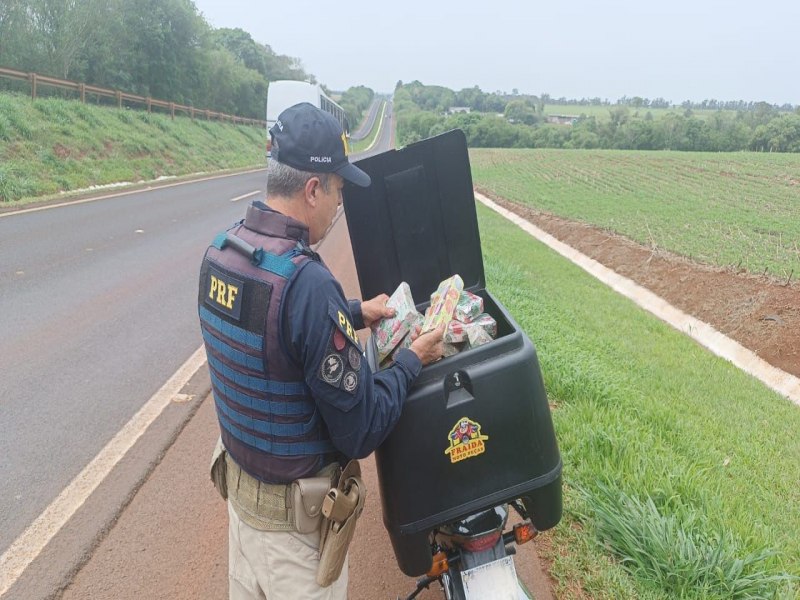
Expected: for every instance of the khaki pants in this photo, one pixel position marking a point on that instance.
(276, 565)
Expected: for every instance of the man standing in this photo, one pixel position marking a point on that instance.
(293, 395)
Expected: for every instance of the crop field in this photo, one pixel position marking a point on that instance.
(601, 113)
(737, 210)
(680, 471)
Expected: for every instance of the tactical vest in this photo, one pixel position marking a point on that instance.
(268, 420)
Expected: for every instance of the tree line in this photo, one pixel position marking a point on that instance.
(499, 120)
(164, 49)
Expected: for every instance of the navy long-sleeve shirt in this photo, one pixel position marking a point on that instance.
(359, 407)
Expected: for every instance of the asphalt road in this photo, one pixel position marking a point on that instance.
(98, 302)
(366, 126)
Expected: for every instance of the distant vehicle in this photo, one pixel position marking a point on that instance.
(285, 93)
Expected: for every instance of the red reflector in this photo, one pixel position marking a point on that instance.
(482, 543)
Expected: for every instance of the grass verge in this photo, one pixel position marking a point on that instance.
(649, 423)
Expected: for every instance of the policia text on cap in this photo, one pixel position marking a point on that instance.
(295, 400)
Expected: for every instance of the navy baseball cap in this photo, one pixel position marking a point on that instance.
(309, 139)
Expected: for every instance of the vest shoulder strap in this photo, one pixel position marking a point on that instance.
(279, 264)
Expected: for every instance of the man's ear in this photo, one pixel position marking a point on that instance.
(312, 189)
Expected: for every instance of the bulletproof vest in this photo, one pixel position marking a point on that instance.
(268, 420)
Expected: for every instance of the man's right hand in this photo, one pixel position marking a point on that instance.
(429, 347)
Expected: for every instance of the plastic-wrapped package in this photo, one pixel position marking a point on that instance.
(443, 303)
(390, 331)
(477, 337)
(457, 331)
(469, 307)
(486, 322)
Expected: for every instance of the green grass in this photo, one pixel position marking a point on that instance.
(655, 432)
(670, 549)
(731, 210)
(51, 145)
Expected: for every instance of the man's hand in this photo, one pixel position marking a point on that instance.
(374, 310)
(429, 347)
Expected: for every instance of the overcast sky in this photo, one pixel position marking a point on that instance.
(676, 49)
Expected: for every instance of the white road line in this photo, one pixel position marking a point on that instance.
(776, 379)
(32, 541)
(243, 196)
(129, 192)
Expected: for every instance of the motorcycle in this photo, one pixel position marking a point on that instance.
(473, 557)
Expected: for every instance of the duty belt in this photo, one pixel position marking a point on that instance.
(264, 506)
(260, 505)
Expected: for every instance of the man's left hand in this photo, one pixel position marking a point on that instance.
(374, 310)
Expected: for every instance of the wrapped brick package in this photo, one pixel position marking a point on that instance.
(407, 341)
(477, 337)
(486, 322)
(469, 307)
(390, 331)
(455, 332)
(443, 303)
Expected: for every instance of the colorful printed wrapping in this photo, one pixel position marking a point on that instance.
(478, 337)
(469, 307)
(457, 331)
(443, 303)
(407, 341)
(390, 331)
(486, 322)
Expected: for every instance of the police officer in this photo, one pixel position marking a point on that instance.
(294, 396)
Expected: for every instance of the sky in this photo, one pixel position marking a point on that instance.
(676, 49)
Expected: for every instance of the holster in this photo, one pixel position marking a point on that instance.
(341, 508)
(219, 470)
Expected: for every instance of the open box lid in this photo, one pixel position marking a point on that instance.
(416, 222)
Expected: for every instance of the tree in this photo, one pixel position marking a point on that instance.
(519, 111)
(355, 102)
(781, 134)
(241, 44)
(169, 54)
(13, 26)
(63, 28)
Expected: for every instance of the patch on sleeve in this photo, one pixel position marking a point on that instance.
(354, 358)
(342, 323)
(332, 369)
(350, 382)
(339, 340)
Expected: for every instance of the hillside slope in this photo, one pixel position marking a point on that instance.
(51, 145)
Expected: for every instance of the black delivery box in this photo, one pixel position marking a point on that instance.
(476, 429)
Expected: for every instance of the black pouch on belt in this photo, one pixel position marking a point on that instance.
(341, 507)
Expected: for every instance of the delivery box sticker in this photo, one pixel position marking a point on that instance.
(466, 440)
